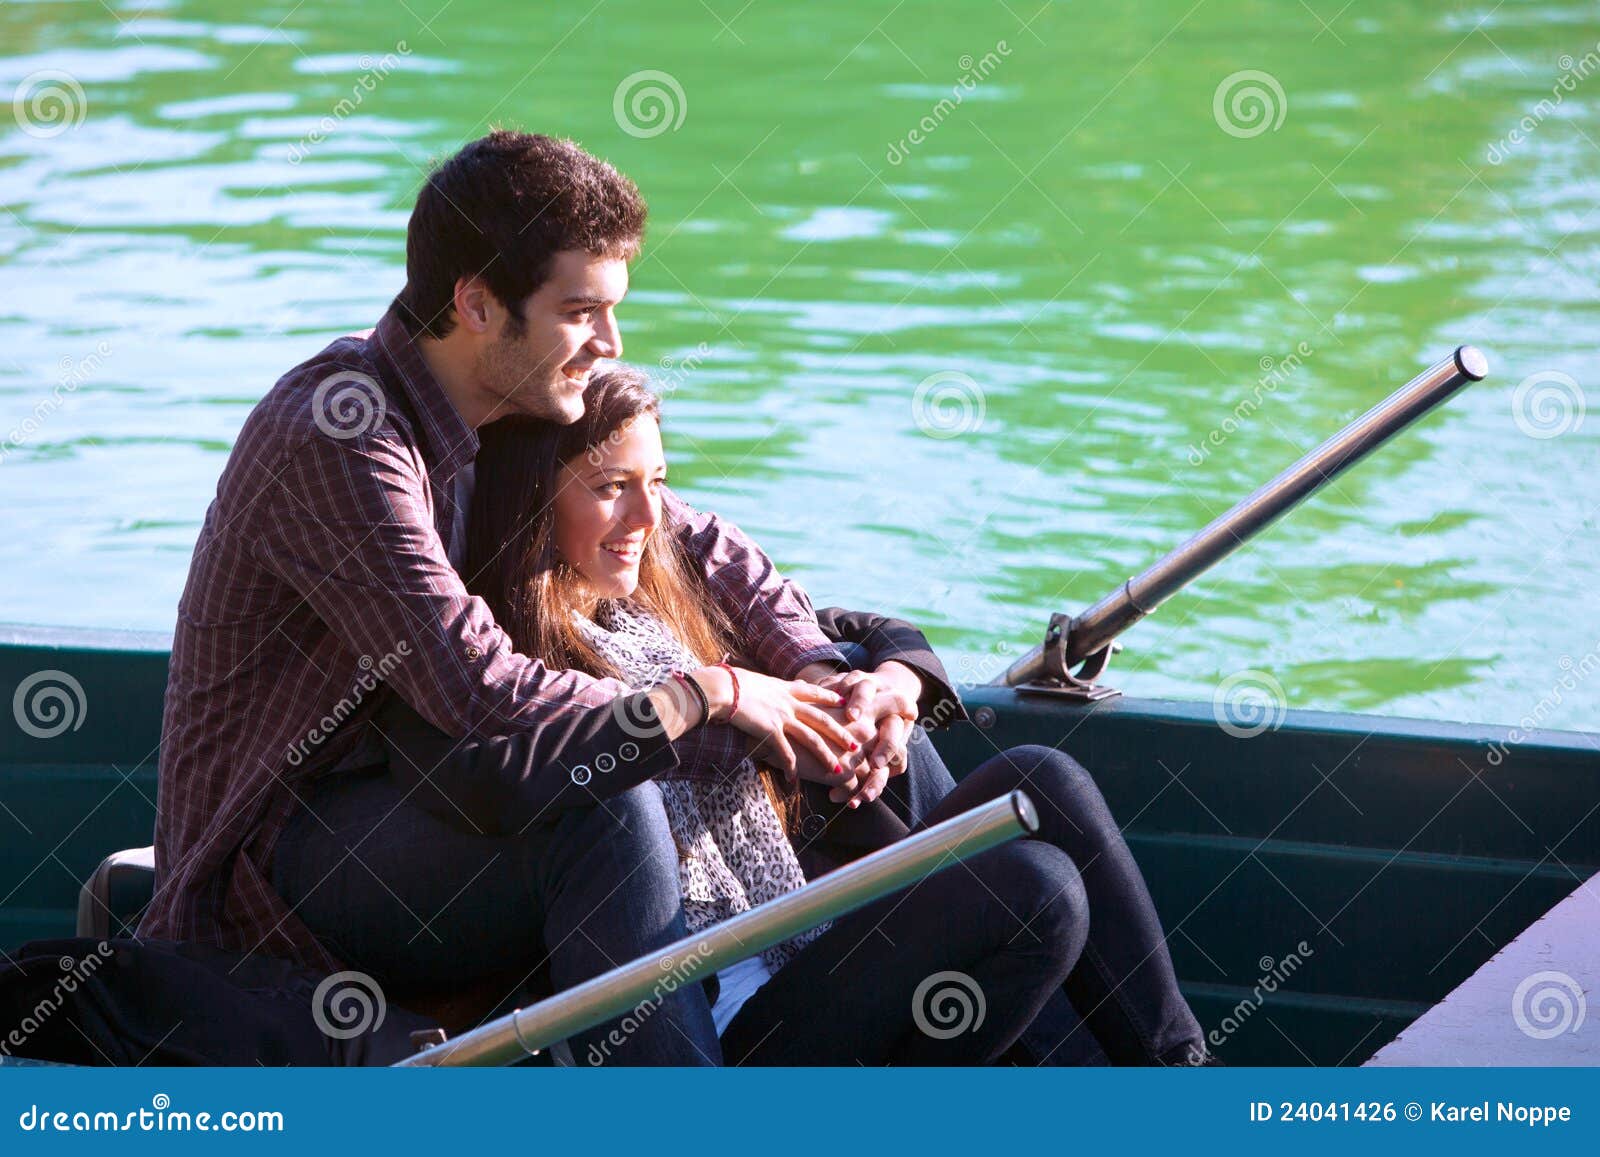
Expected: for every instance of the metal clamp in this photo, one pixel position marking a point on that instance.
(1057, 680)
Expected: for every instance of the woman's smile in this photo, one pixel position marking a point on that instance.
(608, 504)
(626, 551)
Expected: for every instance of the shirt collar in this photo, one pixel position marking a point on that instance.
(450, 441)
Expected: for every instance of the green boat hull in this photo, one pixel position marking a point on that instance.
(1401, 853)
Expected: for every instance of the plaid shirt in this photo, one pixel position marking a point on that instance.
(321, 577)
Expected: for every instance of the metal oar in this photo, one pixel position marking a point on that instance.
(527, 1030)
(1087, 638)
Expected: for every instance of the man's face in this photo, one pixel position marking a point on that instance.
(569, 323)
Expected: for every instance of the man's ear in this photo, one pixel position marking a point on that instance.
(473, 302)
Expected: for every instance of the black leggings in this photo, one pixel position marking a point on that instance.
(953, 969)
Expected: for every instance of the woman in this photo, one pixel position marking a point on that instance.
(567, 551)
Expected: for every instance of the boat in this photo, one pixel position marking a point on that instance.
(1324, 878)
(1402, 853)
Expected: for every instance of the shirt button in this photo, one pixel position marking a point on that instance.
(473, 654)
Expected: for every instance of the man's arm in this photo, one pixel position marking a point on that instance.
(902, 655)
(779, 626)
(346, 524)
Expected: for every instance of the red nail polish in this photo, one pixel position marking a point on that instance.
(837, 768)
(855, 747)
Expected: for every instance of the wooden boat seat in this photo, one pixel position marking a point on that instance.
(117, 892)
(1528, 1005)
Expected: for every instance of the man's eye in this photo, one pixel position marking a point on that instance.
(581, 315)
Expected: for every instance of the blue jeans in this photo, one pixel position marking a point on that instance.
(425, 907)
(1067, 910)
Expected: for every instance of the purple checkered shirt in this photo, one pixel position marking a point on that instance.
(323, 568)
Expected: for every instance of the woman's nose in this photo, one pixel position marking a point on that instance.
(644, 513)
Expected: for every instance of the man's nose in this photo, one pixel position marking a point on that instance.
(607, 339)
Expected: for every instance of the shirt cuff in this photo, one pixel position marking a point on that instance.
(797, 658)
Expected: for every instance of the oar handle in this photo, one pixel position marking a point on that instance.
(527, 1030)
(1093, 631)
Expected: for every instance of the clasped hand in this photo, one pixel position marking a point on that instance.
(846, 729)
(878, 712)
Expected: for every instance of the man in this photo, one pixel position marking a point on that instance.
(324, 578)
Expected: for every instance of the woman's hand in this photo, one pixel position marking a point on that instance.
(851, 764)
(789, 719)
(887, 699)
(882, 728)
(884, 752)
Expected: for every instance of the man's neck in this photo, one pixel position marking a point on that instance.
(450, 364)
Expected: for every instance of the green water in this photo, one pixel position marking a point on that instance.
(1130, 315)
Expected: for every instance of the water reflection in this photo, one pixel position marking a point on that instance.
(1077, 238)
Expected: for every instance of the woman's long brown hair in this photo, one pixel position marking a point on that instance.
(512, 563)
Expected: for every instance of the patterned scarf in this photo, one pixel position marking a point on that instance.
(732, 850)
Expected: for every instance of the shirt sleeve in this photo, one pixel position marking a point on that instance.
(349, 526)
(779, 626)
(886, 639)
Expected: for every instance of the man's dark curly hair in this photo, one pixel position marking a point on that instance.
(502, 208)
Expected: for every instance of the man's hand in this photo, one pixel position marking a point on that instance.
(792, 722)
(885, 700)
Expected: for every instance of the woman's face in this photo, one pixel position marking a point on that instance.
(608, 504)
